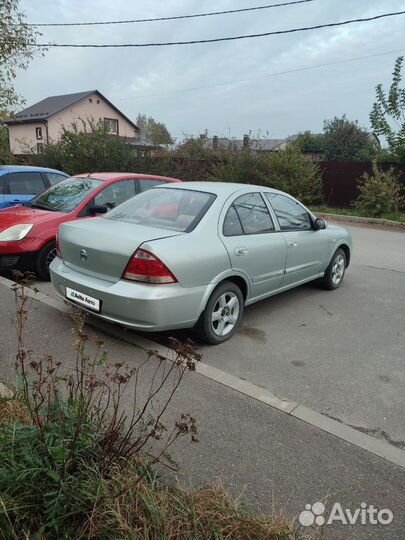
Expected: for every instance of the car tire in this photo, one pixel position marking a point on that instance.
(335, 272)
(44, 259)
(222, 314)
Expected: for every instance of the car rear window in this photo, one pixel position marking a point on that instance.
(66, 195)
(148, 183)
(172, 209)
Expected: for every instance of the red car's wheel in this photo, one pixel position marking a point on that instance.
(44, 259)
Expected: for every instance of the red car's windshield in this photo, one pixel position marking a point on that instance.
(65, 196)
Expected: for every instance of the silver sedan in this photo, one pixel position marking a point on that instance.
(194, 255)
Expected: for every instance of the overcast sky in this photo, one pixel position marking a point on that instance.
(152, 80)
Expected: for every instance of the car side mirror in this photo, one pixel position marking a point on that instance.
(97, 209)
(319, 223)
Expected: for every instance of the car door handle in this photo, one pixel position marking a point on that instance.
(241, 251)
(292, 244)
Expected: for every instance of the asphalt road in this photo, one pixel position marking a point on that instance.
(341, 353)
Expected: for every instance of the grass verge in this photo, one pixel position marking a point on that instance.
(393, 216)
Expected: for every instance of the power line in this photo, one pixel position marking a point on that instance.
(275, 74)
(175, 17)
(215, 40)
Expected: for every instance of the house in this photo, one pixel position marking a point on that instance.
(43, 122)
(258, 145)
(273, 145)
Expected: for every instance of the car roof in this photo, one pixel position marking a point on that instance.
(119, 175)
(220, 188)
(26, 168)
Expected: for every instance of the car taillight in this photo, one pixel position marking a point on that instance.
(147, 268)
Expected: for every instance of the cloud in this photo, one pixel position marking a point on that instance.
(282, 104)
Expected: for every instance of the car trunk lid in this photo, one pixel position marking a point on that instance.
(102, 248)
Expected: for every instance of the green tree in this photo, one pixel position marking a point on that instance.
(17, 40)
(309, 142)
(387, 116)
(152, 132)
(6, 156)
(345, 140)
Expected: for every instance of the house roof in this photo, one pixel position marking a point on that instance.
(51, 105)
(255, 144)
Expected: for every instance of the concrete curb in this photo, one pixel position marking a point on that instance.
(373, 445)
(365, 220)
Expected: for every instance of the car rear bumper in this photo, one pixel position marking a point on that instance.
(136, 305)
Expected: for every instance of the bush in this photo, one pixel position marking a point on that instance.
(380, 193)
(92, 150)
(244, 166)
(288, 170)
(88, 149)
(293, 172)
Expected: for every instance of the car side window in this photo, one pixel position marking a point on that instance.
(290, 214)
(248, 215)
(54, 178)
(25, 183)
(144, 184)
(232, 224)
(115, 194)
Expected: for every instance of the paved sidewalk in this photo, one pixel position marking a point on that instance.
(277, 459)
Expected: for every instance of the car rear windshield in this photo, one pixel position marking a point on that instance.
(172, 209)
(66, 195)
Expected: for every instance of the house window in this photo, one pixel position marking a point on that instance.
(40, 148)
(38, 133)
(111, 126)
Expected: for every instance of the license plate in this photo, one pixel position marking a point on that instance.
(83, 299)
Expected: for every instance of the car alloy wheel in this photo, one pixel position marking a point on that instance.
(338, 269)
(225, 314)
(335, 271)
(222, 314)
(50, 257)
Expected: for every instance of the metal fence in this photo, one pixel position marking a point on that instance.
(340, 179)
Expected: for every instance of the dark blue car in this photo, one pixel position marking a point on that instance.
(18, 184)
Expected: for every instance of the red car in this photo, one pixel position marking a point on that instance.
(28, 232)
